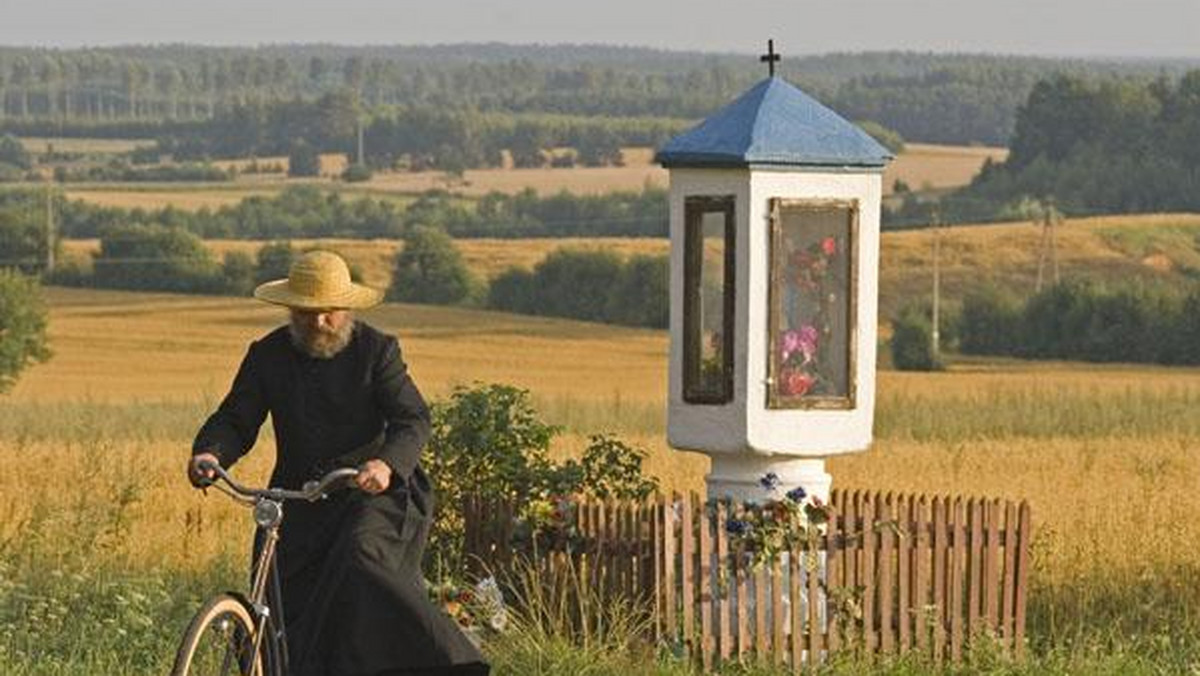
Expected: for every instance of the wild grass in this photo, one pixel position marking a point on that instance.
(100, 531)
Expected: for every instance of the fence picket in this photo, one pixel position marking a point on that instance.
(941, 608)
(904, 582)
(706, 589)
(957, 555)
(724, 636)
(687, 550)
(834, 548)
(975, 569)
(867, 575)
(796, 620)
(885, 509)
(1025, 538)
(991, 564)
(669, 529)
(920, 574)
(1007, 596)
(925, 574)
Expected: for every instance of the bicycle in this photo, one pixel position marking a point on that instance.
(234, 633)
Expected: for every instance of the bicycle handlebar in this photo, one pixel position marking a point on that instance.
(311, 491)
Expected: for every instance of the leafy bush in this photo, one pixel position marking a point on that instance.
(13, 152)
(912, 341)
(590, 285)
(489, 442)
(357, 173)
(156, 258)
(304, 160)
(990, 322)
(22, 326)
(430, 270)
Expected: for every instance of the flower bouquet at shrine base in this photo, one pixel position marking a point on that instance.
(793, 521)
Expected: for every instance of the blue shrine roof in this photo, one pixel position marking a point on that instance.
(774, 123)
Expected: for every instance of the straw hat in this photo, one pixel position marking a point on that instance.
(319, 280)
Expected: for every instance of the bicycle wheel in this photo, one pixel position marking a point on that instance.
(219, 642)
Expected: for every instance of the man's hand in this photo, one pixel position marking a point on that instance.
(201, 477)
(374, 476)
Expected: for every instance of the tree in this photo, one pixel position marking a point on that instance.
(13, 152)
(23, 236)
(156, 257)
(274, 261)
(303, 160)
(22, 326)
(912, 341)
(430, 270)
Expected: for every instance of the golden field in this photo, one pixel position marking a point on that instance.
(921, 166)
(1105, 454)
(1158, 247)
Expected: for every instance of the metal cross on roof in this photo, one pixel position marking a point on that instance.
(770, 58)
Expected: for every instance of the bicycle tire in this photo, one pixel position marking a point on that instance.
(219, 642)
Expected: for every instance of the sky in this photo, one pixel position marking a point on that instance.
(1079, 28)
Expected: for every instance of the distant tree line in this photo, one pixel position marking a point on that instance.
(592, 285)
(309, 212)
(1082, 321)
(1093, 146)
(142, 91)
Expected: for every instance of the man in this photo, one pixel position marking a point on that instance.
(339, 394)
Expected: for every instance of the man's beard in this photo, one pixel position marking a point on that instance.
(319, 343)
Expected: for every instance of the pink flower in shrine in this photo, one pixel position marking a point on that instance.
(807, 342)
(829, 246)
(796, 383)
(789, 344)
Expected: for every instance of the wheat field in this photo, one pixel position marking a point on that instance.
(92, 446)
(921, 166)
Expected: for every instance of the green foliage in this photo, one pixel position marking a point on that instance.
(430, 270)
(592, 285)
(157, 258)
(488, 442)
(888, 138)
(612, 468)
(22, 326)
(912, 341)
(238, 270)
(357, 173)
(121, 170)
(273, 262)
(304, 159)
(1109, 146)
(1132, 322)
(23, 238)
(13, 152)
(990, 322)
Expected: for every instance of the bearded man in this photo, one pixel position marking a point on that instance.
(349, 567)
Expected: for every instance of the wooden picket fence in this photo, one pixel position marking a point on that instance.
(890, 574)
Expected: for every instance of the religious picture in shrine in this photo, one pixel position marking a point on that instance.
(811, 315)
(708, 299)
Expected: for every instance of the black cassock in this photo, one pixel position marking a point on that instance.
(353, 595)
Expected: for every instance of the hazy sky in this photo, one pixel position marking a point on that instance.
(1148, 28)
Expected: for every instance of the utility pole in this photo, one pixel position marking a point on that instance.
(49, 227)
(1049, 242)
(360, 140)
(937, 282)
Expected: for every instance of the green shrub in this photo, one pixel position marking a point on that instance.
(22, 326)
(489, 442)
(912, 341)
(990, 322)
(430, 270)
(304, 160)
(357, 173)
(153, 257)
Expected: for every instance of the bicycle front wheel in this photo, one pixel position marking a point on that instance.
(219, 642)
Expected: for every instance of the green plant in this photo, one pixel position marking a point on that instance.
(22, 326)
